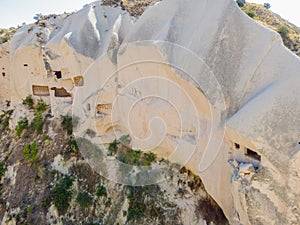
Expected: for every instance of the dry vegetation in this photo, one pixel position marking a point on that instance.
(289, 32)
(135, 8)
(6, 34)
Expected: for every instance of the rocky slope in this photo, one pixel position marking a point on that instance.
(224, 86)
(52, 184)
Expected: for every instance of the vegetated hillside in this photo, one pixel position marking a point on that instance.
(289, 32)
(6, 34)
(135, 8)
(45, 180)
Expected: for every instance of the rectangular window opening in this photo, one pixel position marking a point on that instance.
(253, 154)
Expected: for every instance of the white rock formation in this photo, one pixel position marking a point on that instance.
(49, 58)
(256, 95)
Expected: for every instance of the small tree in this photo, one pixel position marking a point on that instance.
(37, 16)
(241, 3)
(267, 5)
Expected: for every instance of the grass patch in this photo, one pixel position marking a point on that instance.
(62, 193)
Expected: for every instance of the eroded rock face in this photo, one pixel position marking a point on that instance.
(55, 52)
(5, 73)
(226, 88)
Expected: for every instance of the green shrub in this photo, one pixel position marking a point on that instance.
(131, 157)
(28, 101)
(67, 124)
(136, 157)
(40, 107)
(4, 119)
(22, 125)
(148, 158)
(250, 13)
(113, 147)
(30, 152)
(4, 38)
(101, 191)
(62, 193)
(37, 124)
(84, 199)
(72, 145)
(283, 31)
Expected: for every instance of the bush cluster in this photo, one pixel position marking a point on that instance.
(22, 125)
(62, 193)
(84, 199)
(30, 152)
(101, 191)
(130, 156)
(67, 124)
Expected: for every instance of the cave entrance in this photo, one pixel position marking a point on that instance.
(252, 154)
(58, 74)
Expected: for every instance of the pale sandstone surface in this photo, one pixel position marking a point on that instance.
(5, 73)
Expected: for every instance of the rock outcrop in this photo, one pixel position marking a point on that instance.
(225, 87)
